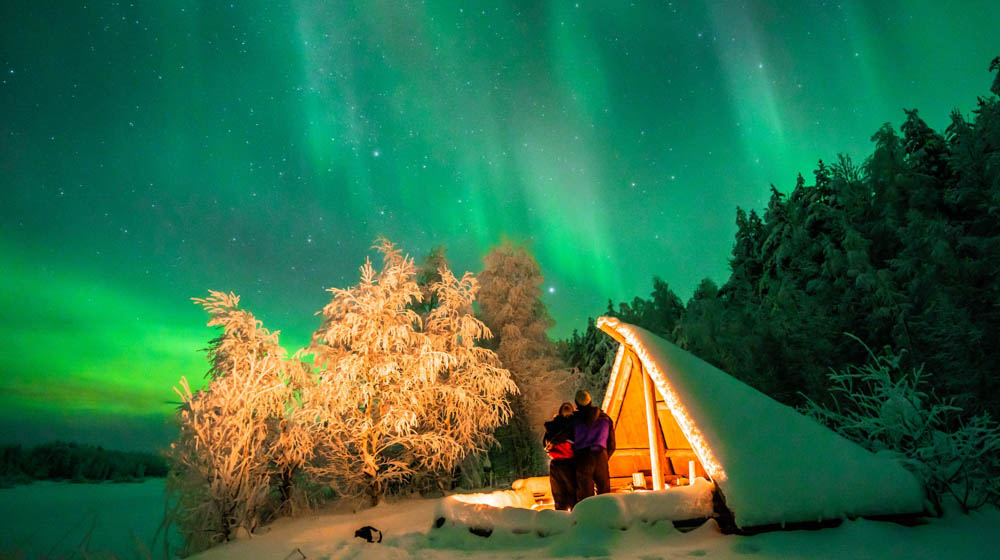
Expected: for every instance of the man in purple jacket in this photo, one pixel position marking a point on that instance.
(593, 443)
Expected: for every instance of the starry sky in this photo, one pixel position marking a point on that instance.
(152, 151)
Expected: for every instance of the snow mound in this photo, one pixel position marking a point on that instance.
(509, 511)
(621, 511)
(503, 510)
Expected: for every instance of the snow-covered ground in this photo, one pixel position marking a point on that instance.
(406, 527)
(51, 520)
(60, 519)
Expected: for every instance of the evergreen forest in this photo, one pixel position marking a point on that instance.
(76, 463)
(899, 251)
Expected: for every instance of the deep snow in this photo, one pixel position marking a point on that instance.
(50, 519)
(510, 511)
(406, 526)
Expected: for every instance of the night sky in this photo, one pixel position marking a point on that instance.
(150, 152)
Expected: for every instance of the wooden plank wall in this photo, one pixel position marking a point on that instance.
(631, 436)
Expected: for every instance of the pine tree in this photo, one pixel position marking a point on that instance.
(745, 265)
(592, 355)
(510, 304)
(995, 65)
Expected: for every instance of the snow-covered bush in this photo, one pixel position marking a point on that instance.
(395, 396)
(232, 464)
(885, 407)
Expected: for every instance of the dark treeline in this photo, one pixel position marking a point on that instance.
(902, 251)
(77, 463)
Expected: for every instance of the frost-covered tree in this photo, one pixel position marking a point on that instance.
(472, 393)
(884, 407)
(237, 450)
(510, 304)
(394, 397)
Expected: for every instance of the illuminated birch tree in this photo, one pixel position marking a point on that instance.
(472, 392)
(392, 398)
(236, 440)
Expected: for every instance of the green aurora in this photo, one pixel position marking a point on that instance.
(151, 152)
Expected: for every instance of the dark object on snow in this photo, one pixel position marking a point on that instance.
(296, 555)
(481, 532)
(369, 533)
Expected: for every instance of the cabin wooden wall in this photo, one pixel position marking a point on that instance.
(628, 410)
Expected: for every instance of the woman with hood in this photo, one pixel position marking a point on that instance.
(558, 442)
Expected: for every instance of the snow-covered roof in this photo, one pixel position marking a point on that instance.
(771, 463)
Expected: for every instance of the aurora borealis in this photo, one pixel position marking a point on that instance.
(150, 152)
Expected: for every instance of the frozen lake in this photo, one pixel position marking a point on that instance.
(45, 519)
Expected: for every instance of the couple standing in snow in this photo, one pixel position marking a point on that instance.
(579, 444)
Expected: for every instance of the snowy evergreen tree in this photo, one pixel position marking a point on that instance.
(901, 251)
(592, 354)
(745, 265)
(511, 306)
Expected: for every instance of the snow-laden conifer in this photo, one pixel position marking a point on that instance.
(510, 304)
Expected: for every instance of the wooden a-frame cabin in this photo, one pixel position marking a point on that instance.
(677, 416)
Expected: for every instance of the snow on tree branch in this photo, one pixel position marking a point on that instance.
(396, 395)
(887, 409)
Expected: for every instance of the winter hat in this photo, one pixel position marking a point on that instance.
(582, 398)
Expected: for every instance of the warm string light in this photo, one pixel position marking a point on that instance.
(691, 432)
(614, 375)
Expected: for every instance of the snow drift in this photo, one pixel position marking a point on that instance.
(510, 511)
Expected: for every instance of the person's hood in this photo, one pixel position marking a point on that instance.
(559, 423)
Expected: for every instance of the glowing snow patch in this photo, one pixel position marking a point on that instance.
(497, 511)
